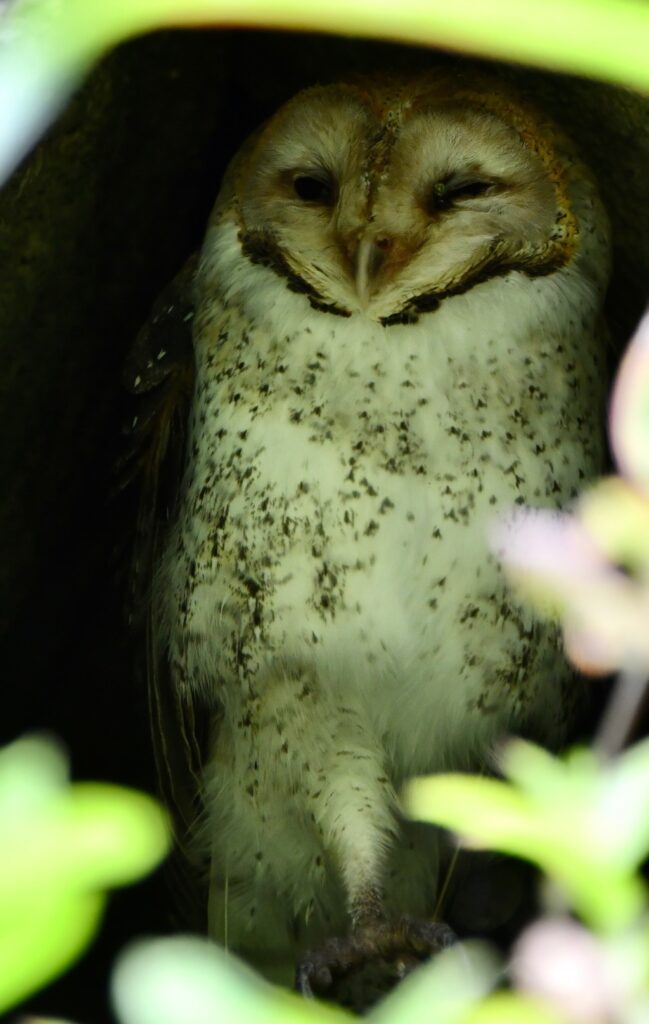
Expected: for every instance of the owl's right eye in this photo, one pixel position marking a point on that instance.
(311, 188)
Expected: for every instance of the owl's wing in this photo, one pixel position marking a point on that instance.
(159, 372)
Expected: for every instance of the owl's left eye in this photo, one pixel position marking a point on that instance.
(314, 188)
(445, 193)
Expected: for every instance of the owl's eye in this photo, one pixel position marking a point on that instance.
(445, 193)
(312, 188)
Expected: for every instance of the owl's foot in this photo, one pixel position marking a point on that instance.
(358, 969)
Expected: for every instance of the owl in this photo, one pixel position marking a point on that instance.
(392, 333)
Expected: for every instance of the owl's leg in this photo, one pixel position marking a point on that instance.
(384, 942)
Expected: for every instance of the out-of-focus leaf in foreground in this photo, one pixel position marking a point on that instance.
(61, 847)
(578, 820)
(46, 45)
(183, 978)
(180, 979)
(448, 987)
(513, 1008)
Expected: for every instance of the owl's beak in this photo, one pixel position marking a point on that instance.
(377, 257)
(370, 256)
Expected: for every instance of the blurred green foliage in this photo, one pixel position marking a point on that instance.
(46, 45)
(575, 817)
(61, 847)
(156, 982)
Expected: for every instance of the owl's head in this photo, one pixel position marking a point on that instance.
(383, 196)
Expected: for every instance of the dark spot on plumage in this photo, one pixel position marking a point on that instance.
(369, 489)
(252, 586)
(470, 612)
(404, 317)
(287, 527)
(262, 249)
(429, 302)
(327, 307)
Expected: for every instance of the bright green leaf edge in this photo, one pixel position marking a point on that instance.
(93, 837)
(46, 46)
(37, 943)
(55, 865)
(494, 815)
(605, 38)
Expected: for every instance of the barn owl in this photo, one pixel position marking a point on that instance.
(396, 334)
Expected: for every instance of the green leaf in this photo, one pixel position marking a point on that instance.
(575, 818)
(49, 44)
(173, 980)
(449, 986)
(617, 518)
(60, 847)
(93, 836)
(41, 938)
(511, 1008)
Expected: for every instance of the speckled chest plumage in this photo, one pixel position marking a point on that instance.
(328, 584)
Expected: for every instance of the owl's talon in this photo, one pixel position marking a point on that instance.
(394, 948)
(312, 976)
